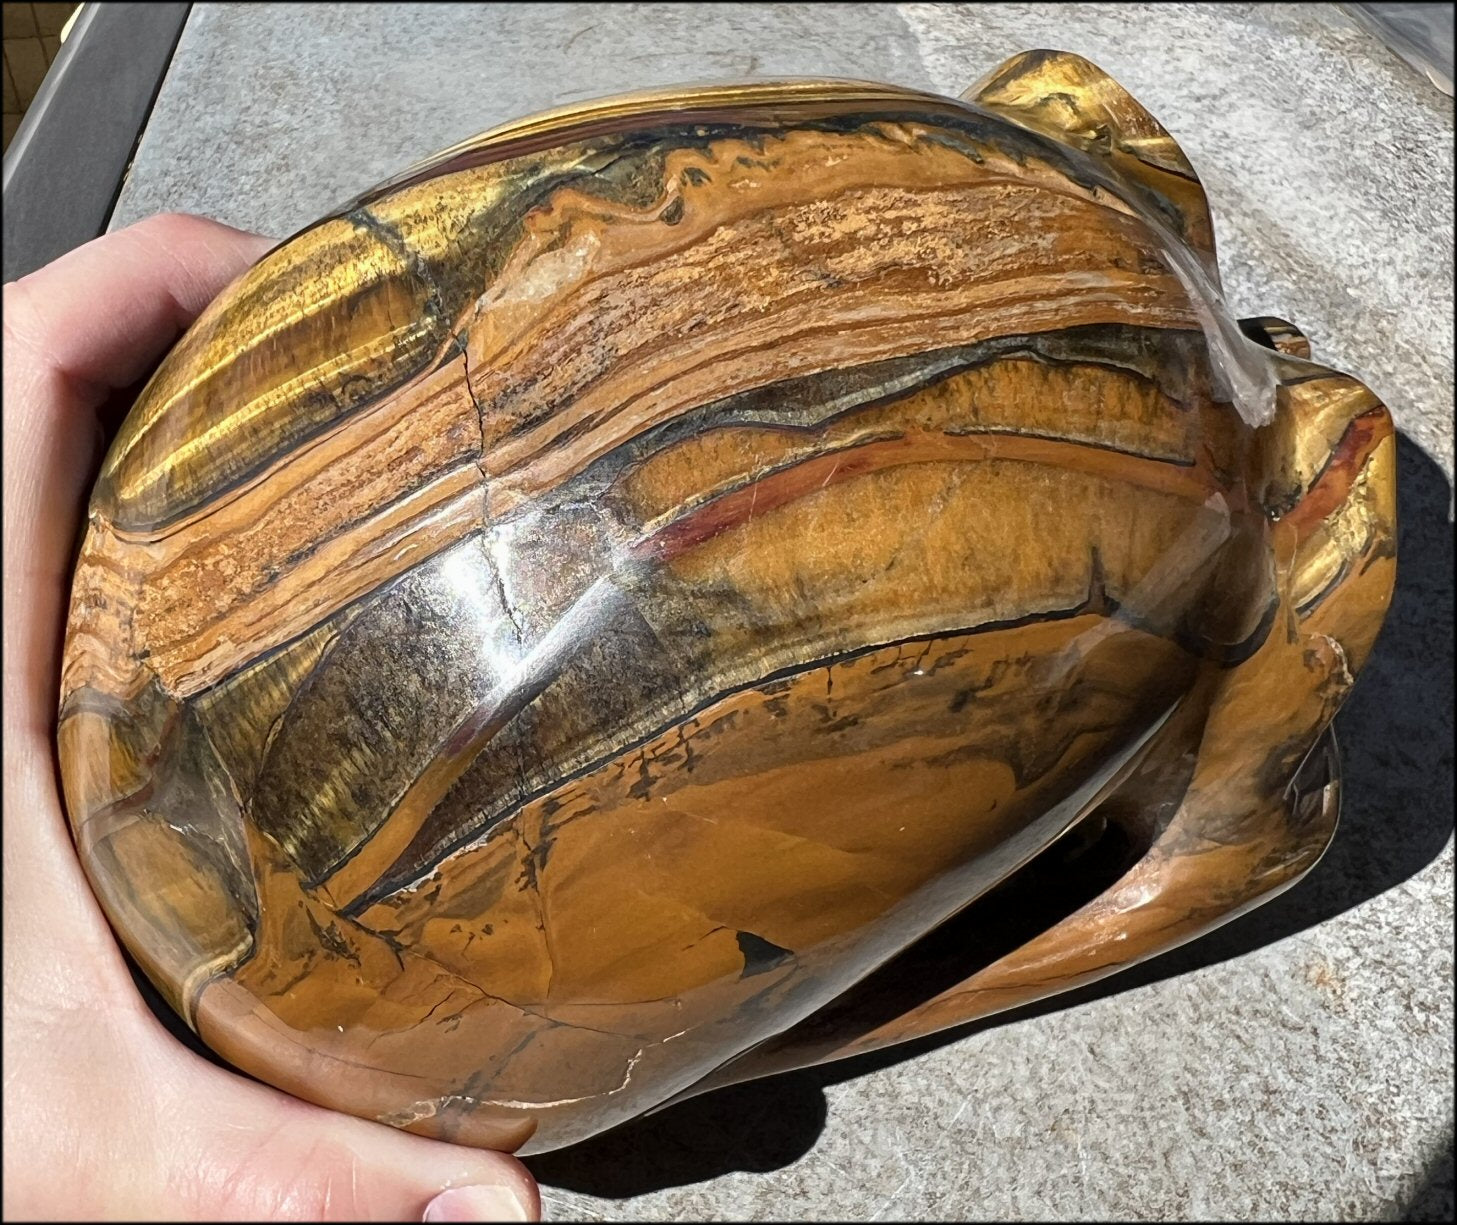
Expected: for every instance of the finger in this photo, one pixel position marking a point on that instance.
(103, 313)
(265, 1156)
(91, 322)
(136, 1127)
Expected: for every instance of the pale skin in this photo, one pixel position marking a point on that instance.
(107, 1115)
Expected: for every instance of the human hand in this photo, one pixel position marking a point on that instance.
(107, 1116)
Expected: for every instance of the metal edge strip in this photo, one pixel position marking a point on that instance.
(66, 164)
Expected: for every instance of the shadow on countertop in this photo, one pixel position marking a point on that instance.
(1434, 1200)
(1396, 743)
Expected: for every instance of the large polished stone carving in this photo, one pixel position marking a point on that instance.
(712, 581)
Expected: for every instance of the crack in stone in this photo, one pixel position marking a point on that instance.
(464, 347)
(532, 883)
(532, 1012)
(572, 1101)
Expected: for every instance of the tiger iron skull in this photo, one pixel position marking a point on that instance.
(710, 582)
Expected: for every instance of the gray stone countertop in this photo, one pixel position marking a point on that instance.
(1297, 1063)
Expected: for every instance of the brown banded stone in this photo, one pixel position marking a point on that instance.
(707, 582)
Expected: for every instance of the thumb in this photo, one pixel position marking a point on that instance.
(274, 1158)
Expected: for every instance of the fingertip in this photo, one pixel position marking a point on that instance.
(486, 1202)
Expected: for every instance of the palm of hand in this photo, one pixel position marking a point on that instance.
(106, 1115)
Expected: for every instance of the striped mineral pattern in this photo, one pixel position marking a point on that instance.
(708, 582)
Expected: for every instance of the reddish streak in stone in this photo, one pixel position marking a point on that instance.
(1331, 489)
(786, 485)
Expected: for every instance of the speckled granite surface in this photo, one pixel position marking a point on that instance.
(1296, 1064)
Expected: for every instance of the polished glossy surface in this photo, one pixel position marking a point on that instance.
(572, 617)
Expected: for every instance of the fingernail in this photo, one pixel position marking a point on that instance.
(478, 1204)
